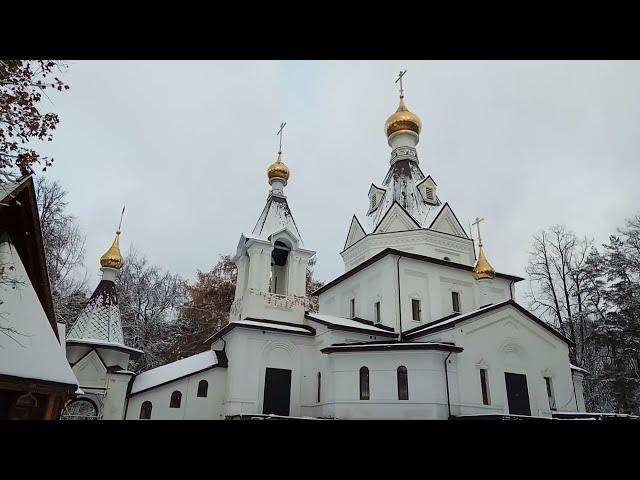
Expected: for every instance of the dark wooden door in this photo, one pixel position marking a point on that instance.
(517, 393)
(277, 391)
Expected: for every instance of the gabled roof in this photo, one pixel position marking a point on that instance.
(350, 325)
(356, 232)
(29, 348)
(451, 321)
(415, 256)
(447, 217)
(177, 370)
(262, 324)
(397, 213)
(20, 219)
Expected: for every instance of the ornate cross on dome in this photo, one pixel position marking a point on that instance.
(282, 125)
(399, 79)
(477, 223)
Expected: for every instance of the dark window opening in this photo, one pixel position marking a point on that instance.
(377, 312)
(279, 257)
(352, 307)
(416, 310)
(403, 383)
(145, 410)
(364, 383)
(552, 399)
(203, 388)
(176, 399)
(319, 385)
(484, 383)
(455, 300)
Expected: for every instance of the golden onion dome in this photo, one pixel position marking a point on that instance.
(401, 120)
(278, 169)
(112, 258)
(483, 270)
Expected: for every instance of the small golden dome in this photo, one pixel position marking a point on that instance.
(113, 258)
(278, 170)
(402, 119)
(483, 270)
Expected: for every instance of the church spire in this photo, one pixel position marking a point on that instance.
(483, 269)
(100, 318)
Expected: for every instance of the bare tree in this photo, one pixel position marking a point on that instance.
(558, 283)
(149, 299)
(64, 246)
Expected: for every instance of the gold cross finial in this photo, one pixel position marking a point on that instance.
(282, 125)
(399, 79)
(477, 223)
(120, 224)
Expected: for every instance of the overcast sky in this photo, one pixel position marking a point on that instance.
(186, 144)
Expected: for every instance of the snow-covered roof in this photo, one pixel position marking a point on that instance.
(449, 320)
(28, 345)
(103, 343)
(275, 217)
(100, 318)
(578, 369)
(174, 371)
(6, 188)
(382, 346)
(348, 323)
(272, 325)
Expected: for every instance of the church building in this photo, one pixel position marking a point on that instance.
(419, 325)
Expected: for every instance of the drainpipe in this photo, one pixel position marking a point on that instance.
(511, 288)
(446, 376)
(399, 301)
(574, 391)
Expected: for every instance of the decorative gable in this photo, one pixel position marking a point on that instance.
(91, 371)
(427, 189)
(397, 219)
(375, 198)
(447, 222)
(356, 232)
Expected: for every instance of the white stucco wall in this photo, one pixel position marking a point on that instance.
(191, 407)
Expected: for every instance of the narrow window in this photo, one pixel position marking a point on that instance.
(373, 202)
(176, 399)
(415, 308)
(352, 307)
(484, 382)
(403, 383)
(319, 385)
(455, 300)
(429, 192)
(145, 410)
(203, 388)
(377, 312)
(552, 399)
(364, 383)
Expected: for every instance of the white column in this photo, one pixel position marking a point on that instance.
(259, 266)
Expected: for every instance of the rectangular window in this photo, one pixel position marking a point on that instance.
(352, 308)
(552, 399)
(455, 301)
(484, 382)
(377, 312)
(415, 309)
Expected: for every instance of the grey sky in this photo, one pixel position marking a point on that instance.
(185, 145)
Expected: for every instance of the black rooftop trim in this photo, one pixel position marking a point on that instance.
(390, 346)
(231, 325)
(414, 256)
(334, 326)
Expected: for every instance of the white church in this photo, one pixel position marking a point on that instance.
(419, 326)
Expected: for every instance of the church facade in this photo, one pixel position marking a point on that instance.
(418, 326)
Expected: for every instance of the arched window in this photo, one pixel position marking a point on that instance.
(80, 409)
(203, 388)
(364, 383)
(145, 410)
(278, 275)
(176, 398)
(403, 383)
(319, 385)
